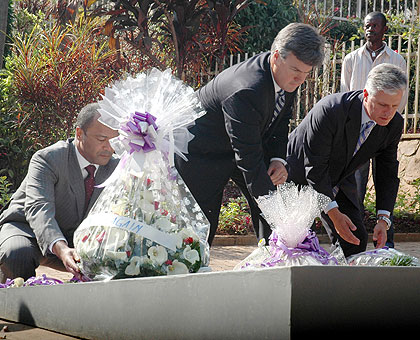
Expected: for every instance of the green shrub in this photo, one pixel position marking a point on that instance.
(234, 217)
(406, 205)
(51, 73)
(4, 191)
(264, 19)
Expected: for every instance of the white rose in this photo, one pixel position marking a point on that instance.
(148, 196)
(177, 268)
(147, 206)
(164, 224)
(18, 282)
(158, 254)
(187, 232)
(191, 255)
(116, 255)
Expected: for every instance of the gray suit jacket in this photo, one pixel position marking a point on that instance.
(49, 203)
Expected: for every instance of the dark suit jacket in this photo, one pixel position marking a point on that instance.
(240, 103)
(50, 201)
(320, 149)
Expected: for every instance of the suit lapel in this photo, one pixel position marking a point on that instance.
(76, 180)
(353, 130)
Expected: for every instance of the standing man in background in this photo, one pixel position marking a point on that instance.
(354, 72)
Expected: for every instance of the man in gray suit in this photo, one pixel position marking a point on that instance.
(38, 224)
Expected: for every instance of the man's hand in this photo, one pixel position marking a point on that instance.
(343, 225)
(379, 234)
(277, 172)
(69, 257)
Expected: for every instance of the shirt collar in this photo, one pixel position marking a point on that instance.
(83, 162)
(277, 88)
(365, 117)
(365, 50)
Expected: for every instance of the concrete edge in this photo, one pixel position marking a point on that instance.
(251, 240)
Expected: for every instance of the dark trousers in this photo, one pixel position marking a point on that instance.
(206, 177)
(355, 215)
(362, 177)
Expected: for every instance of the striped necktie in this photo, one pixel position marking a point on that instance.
(281, 96)
(364, 134)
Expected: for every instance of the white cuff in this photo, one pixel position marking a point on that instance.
(384, 212)
(279, 159)
(50, 247)
(331, 205)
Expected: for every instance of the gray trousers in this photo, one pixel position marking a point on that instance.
(20, 256)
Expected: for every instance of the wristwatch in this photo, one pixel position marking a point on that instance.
(386, 219)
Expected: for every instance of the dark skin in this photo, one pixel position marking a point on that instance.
(375, 29)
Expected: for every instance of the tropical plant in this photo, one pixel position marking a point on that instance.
(185, 35)
(55, 73)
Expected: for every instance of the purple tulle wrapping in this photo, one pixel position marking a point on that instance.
(308, 247)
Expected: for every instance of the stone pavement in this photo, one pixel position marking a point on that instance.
(222, 258)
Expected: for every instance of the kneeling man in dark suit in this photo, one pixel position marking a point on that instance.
(341, 133)
(38, 224)
(243, 135)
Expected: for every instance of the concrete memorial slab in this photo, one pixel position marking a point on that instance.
(275, 303)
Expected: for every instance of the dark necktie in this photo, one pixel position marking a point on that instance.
(364, 134)
(89, 183)
(279, 104)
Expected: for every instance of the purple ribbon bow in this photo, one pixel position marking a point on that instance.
(308, 247)
(138, 126)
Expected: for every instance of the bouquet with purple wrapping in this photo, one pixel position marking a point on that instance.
(146, 222)
(290, 211)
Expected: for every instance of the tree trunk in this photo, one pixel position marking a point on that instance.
(4, 6)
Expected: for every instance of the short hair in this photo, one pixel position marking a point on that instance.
(303, 40)
(379, 15)
(87, 115)
(387, 78)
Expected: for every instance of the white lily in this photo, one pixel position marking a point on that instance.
(191, 255)
(134, 267)
(177, 268)
(158, 254)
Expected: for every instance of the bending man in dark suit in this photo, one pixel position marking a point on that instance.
(241, 137)
(37, 226)
(321, 153)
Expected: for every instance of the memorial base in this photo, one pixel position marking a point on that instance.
(276, 303)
